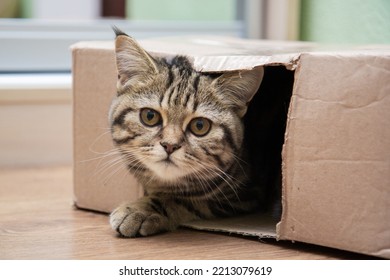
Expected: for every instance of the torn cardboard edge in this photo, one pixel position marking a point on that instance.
(257, 225)
(219, 55)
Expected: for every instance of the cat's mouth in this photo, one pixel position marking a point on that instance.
(168, 162)
(168, 169)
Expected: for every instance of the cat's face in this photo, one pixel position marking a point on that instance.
(172, 123)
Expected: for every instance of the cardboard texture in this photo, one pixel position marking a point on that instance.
(336, 154)
(100, 179)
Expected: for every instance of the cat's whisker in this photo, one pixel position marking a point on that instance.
(104, 161)
(103, 169)
(207, 171)
(213, 170)
(102, 155)
(113, 173)
(201, 179)
(206, 186)
(239, 161)
(97, 139)
(130, 160)
(219, 188)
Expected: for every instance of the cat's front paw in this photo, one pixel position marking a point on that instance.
(138, 219)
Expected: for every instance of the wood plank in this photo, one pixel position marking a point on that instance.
(38, 221)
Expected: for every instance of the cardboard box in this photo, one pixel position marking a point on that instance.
(336, 153)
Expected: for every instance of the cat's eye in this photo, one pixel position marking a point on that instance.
(150, 117)
(200, 126)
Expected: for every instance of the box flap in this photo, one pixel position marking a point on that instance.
(260, 225)
(218, 54)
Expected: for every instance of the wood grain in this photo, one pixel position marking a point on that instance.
(38, 221)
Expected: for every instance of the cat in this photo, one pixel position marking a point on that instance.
(181, 134)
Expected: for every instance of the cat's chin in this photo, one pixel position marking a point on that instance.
(168, 171)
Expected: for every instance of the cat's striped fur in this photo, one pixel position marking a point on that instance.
(181, 133)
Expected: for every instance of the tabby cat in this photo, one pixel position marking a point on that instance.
(181, 134)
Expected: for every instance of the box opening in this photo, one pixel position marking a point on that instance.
(265, 126)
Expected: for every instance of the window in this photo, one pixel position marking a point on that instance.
(40, 41)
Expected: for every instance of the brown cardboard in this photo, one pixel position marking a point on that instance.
(336, 156)
(100, 180)
(337, 153)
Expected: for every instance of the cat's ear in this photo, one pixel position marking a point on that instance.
(134, 64)
(239, 87)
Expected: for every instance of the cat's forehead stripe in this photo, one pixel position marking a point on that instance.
(196, 83)
(171, 77)
(182, 90)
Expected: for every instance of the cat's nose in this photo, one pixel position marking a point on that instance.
(170, 148)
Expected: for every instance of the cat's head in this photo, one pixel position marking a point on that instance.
(172, 123)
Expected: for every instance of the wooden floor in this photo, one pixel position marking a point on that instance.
(38, 221)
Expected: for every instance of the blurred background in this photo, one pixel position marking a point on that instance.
(35, 59)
